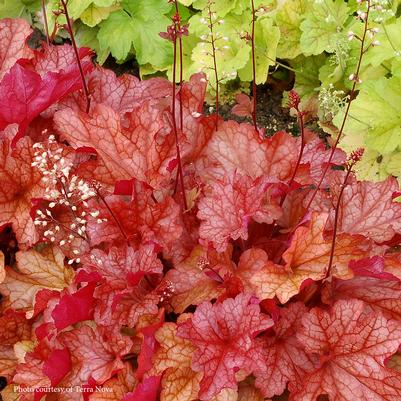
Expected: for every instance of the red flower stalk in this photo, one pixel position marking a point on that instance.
(216, 74)
(74, 45)
(253, 66)
(354, 158)
(176, 31)
(355, 79)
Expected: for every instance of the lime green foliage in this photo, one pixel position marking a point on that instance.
(321, 29)
(376, 115)
(137, 26)
(19, 8)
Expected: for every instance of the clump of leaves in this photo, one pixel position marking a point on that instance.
(277, 276)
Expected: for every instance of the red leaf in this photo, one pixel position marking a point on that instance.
(352, 346)
(58, 58)
(143, 150)
(74, 308)
(223, 334)
(140, 218)
(229, 207)
(379, 295)
(282, 358)
(93, 357)
(13, 36)
(148, 390)
(230, 149)
(372, 267)
(24, 94)
(124, 267)
(368, 208)
(57, 365)
(244, 106)
(148, 348)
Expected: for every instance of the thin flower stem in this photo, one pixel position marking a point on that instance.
(74, 45)
(120, 227)
(351, 98)
(177, 145)
(335, 225)
(216, 73)
(301, 152)
(254, 67)
(181, 69)
(45, 22)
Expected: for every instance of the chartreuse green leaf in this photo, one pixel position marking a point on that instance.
(390, 44)
(232, 52)
(322, 25)
(375, 167)
(77, 7)
(138, 25)
(117, 33)
(93, 15)
(18, 8)
(266, 39)
(223, 7)
(288, 18)
(307, 83)
(375, 116)
(87, 37)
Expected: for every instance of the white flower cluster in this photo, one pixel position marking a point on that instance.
(213, 42)
(62, 190)
(331, 102)
(380, 10)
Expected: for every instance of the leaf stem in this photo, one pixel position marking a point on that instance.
(74, 45)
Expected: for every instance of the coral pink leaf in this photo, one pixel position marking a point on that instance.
(380, 295)
(230, 149)
(244, 106)
(368, 208)
(142, 151)
(230, 205)
(13, 36)
(92, 355)
(74, 308)
(140, 219)
(224, 335)
(352, 346)
(282, 358)
(57, 365)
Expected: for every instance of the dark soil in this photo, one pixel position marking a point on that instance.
(269, 112)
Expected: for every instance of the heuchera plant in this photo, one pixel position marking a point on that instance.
(149, 256)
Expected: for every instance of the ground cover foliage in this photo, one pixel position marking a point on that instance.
(152, 252)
